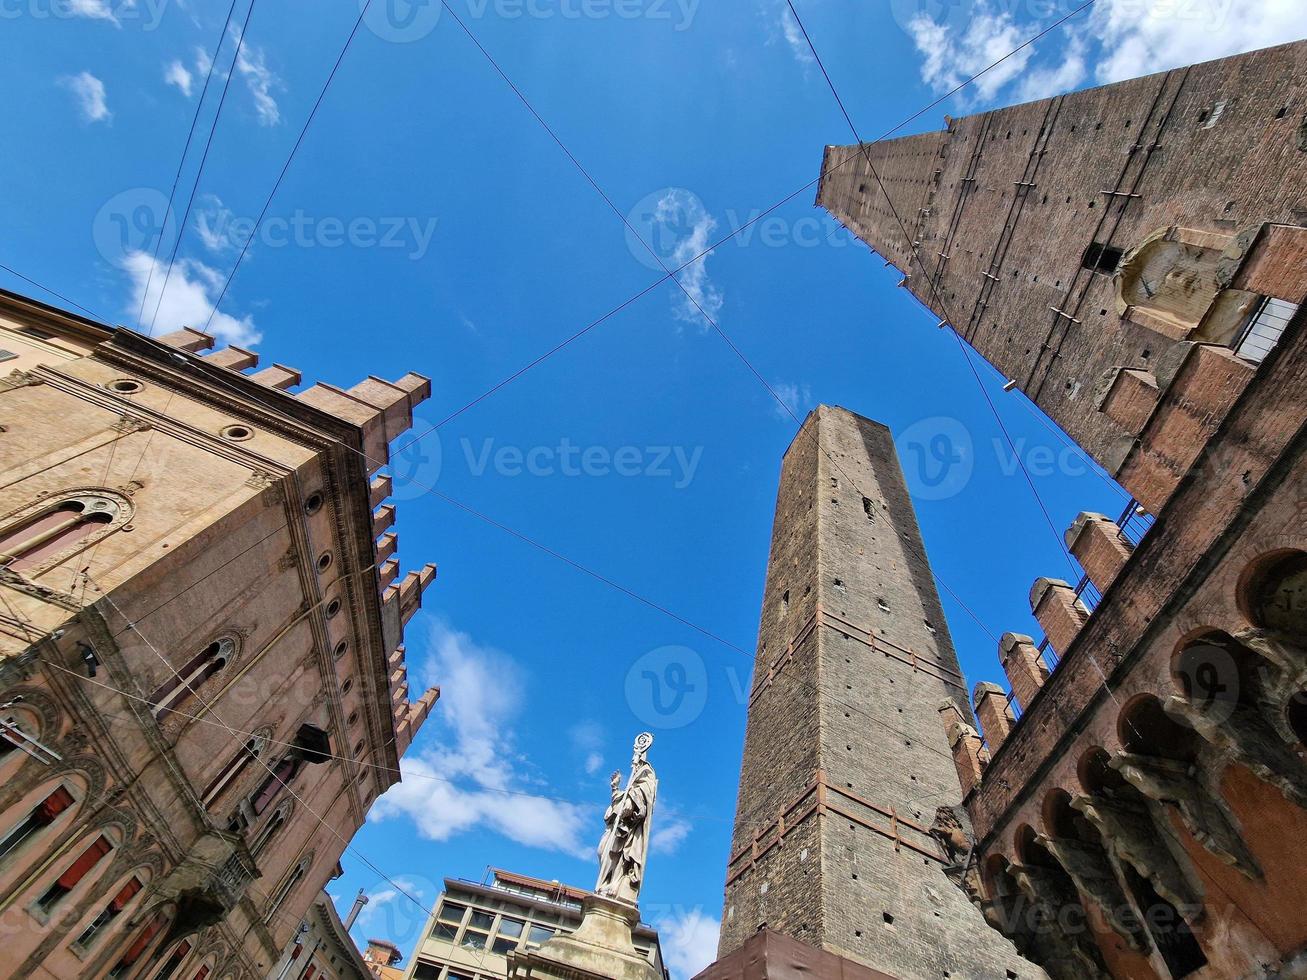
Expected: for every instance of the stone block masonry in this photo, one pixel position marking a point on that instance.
(845, 762)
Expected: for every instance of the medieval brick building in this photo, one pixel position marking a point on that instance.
(202, 679)
(845, 763)
(1133, 258)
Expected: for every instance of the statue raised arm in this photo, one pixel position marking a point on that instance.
(625, 844)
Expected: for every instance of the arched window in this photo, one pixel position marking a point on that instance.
(139, 945)
(253, 748)
(311, 747)
(174, 960)
(59, 527)
(96, 927)
(270, 829)
(36, 819)
(1273, 593)
(81, 866)
(287, 886)
(186, 682)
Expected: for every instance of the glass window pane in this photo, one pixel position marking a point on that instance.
(510, 927)
(504, 945)
(539, 934)
(450, 912)
(426, 971)
(445, 931)
(474, 940)
(482, 920)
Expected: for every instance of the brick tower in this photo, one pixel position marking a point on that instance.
(845, 761)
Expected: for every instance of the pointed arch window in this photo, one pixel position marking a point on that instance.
(75, 872)
(253, 748)
(273, 827)
(185, 684)
(37, 819)
(139, 945)
(110, 912)
(288, 885)
(58, 527)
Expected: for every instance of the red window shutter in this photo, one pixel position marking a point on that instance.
(90, 857)
(137, 948)
(55, 804)
(308, 974)
(201, 973)
(125, 894)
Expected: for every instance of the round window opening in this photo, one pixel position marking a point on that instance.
(353, 718)
(237, 433)
(324, 561)
(341, 648)
(358, 749)
(349, 683)
(333, 607)
(1275, 595)
(313, 504)
(125, 386)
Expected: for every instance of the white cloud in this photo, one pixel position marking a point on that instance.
(593, 763)
(1070, 71)
(213, 224)
(670, 831)
(189, 296)
(95, 10)
(683, 217)
(89, 93)
(177, 74)
(793, 35)
(1139, 38)
(797, 398)
(479, 783)
(951, 56)
(689, 942)
(260, 80)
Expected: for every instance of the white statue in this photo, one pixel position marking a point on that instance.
(625, 845)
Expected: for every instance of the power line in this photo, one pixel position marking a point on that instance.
(913, 251)
(181, 228)
(204, 158)
(322, 94)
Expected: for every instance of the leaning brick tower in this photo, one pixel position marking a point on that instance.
(845, 760)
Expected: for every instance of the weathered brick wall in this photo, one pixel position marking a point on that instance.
(1037, 201)
(855, 708)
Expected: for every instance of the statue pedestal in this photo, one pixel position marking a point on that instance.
(600, 949)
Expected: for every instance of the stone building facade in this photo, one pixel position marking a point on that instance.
(1134, 258)
(845, 763)
(202, 678)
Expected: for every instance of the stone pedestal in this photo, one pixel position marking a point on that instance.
(600, 949)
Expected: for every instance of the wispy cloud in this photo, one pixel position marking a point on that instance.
(175, 73)
(260, 80)
(480, 782)
(952, 53)
(213, 224)
(689, 941)
(681, 217)
(1063, 76)
(1137, 39)
(89, 94)
(187, 300)
(94, 10)
(669, 832)
(797, 398)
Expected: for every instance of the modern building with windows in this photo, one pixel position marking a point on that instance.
(477, 924)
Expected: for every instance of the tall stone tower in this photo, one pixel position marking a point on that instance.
(1096, 246)
(845, 761)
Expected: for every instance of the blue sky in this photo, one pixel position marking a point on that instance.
(428, 223)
